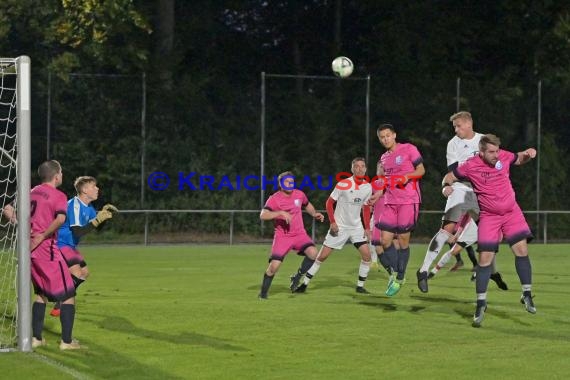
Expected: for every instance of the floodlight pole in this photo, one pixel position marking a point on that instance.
(262, 147)
(538, 143)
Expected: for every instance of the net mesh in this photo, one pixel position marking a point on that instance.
(8, 253)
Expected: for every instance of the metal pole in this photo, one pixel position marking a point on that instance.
(367, 119)
(538, 143)
(262, 147)
(48, 121)
(143, 137)
(232, 228)
(457, 94)
(23, 167)
(145, 228)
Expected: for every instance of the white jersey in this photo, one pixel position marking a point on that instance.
(350, 198)
(459, 151)
(462, 199)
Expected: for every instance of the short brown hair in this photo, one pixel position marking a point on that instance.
(82, 181)
(356, 159)
(461, 115)
(488, 139)
(384, 126)
(48, 169)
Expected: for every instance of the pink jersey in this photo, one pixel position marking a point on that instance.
(379, 205)
(292, 203)
(46, 202)
(397, 163)
(492, 184)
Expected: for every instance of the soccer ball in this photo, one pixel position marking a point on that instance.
(342, 67)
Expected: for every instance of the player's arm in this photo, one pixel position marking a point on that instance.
(446, 183)
(366, 216)
(525, 156)
(313, 213)
(36, 239)
(267, 214)
(417, 174)
(10, 213)
(330, 214)
(79, 231)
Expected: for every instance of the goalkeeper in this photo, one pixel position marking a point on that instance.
(81, 219)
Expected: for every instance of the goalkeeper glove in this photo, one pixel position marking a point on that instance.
(102, 216)
(110, 207)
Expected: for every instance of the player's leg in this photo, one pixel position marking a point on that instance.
(305, 247)
(489, 237)
(324, 252)
(67, 319)
(481, 285)
(497, 277)
(517, 233)
(38, 315)
(364, 267)
(274, 263)
(444, 259)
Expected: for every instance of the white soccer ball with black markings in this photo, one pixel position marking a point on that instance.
(342, 67)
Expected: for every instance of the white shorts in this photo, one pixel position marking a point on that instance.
(356, 235)
(469, 234)
(459, 202)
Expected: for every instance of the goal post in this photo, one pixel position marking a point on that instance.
(15, 179)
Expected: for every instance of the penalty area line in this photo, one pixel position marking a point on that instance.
(60, 366)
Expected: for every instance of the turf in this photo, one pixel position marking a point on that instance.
(191, 312)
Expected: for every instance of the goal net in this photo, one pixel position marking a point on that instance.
(15, 319)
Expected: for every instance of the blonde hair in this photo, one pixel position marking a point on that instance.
(461, 115)
(82, 181)
(281, 176)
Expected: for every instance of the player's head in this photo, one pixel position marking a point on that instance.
(286, 182)
(489, 148)
(86, 186)
(358, 167)
(50, 171)
(386, 135)
(462, 124)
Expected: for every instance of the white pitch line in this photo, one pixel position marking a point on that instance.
(55, 364)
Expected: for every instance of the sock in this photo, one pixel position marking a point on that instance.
(435, 246)
(524, 270)
(403, 257)
(66, 318)
(57, 305)
(38, 315)
(373, 254)
(385, 263)
(458, 258)
(77, 281)
(482, 279)
(312, 272)
(391, 257)
(305, 265)
(266, 283)
(443, 260)
(363, 273)
(471, 254)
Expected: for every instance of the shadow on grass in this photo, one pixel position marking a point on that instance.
(123, 325)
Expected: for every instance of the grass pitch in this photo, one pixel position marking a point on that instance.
(191, 312)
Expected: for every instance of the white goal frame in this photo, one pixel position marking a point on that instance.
(23, 179)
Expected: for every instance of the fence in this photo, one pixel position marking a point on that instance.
(542, 220)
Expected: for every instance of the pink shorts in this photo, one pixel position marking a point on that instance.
(52, 279)
(493, 227)
(399, 219)
(72, 256)
(282, 244)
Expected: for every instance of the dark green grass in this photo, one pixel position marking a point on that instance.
(191, 312)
